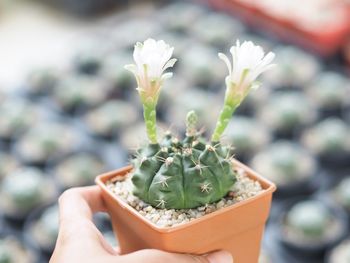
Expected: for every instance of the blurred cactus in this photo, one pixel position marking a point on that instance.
(22, 188)
(311, 218)
(342, 193)
(45, 229)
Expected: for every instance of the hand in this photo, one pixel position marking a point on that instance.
(80, 241)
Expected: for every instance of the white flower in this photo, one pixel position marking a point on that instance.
(151, 58)
(248, 62)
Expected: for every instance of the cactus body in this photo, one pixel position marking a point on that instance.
(187, 174)
(182, 174)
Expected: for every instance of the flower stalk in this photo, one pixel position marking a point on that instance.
(150, 117)
(191, 123)
(248, 62)
(151, 58)
(224, 117)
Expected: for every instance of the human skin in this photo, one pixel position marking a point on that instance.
(80, 241)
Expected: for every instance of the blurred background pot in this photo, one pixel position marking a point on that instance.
(24, 189)
(17, 116)
(14, 248)
(78, 169)
(107, 120)
(329, 140)
(47, 142)
(241, 134)
(339, 191)
(309, 227)
(41, 228)
(209, 233)
(79, 93)
(290, 166)
(289, 74)
(41, 82)
(329, 92)
(282, 116)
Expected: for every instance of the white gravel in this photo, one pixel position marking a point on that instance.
(243, 189)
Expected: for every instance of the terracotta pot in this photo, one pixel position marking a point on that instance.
(237, 228)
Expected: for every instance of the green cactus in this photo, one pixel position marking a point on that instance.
(176, 174)
(188, 173)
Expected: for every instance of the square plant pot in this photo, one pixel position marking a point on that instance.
(237, 228)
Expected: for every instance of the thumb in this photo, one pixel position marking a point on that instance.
(77, 230)
(157, 256)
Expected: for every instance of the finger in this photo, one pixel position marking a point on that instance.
(81, 202)
(76, 208)
(77, 233)
(157, 256)
(117, 250)
(220, 257)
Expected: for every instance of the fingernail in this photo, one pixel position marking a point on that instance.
(220, 257)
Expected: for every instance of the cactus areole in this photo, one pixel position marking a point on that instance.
(193, 172)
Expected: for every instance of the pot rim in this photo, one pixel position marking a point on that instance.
(268, 188)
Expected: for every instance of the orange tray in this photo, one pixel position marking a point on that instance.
(324, 42)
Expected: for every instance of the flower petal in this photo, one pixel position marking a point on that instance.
(131, 68)
(248, 62)
(167, 75)
(170, 63)
(224, 58)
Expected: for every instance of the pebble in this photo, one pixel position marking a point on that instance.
(243, 189)
(155, 218)
(201, 208)
(182, 217)
(220, 204)
(148, 209)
